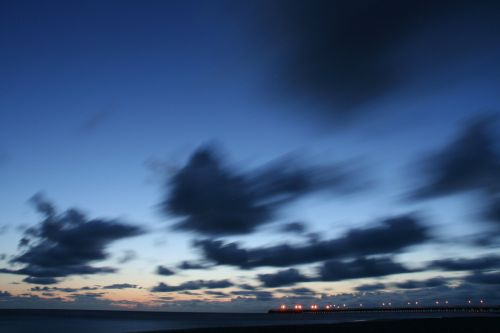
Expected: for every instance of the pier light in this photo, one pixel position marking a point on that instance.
(360, 305)
(283, 307)
(344, 305)
(437, 302)
(328, 306)
(481, 301)
(383, 304)
(390, 304)
(314, 307)
(469, 301)
(409, 303)
(446, 301)
(416, 302)
(298, 307)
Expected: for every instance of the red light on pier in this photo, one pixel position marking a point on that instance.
(282, 307)
(298, 307)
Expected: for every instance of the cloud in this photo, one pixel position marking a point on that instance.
(192, 265)
(5, 294)
(389, 236)
(50, 289)
(127, 256)
(121, 286)
(493, 211)
(416, 284)
(370, 287)
(247, 286)
(470, 162)
(282, 278)
(217, 294)
(298, 291)
(193, 285)
(214, 199)
(484, 278)
(66, 244)
(340, 55)
(261, 295)
(162, 270)
(293, 227)
(86, 288)
(334, 270)
(40, 280)
(466, 264)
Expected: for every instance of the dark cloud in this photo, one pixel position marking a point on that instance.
(493, 210)
(247, 286)
(5, 294)
(484, 278)
(340, 55)
(370, 287)
(470, 162)
(293, 227)
(193, 285)
(261, 295)
(66, 244)
(389, 236)
(282, 278)
(297, 291)
(40, 280)
(162, 270)
(416, 284)
(217, 294)
(121, 286)
(213, 199)
(69, 290)
(463, 264)
(192, 265)
(49, 289)
(88, 295)
(334, 270)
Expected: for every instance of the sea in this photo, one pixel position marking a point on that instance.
(83, 321)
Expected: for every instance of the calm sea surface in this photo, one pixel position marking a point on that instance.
(68, 321)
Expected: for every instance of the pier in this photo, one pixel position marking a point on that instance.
(422, 309)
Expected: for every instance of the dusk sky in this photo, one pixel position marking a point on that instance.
(237, 155)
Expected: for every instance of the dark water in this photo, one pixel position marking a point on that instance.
(67, 321)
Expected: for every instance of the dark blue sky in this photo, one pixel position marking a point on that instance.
(199, 130)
